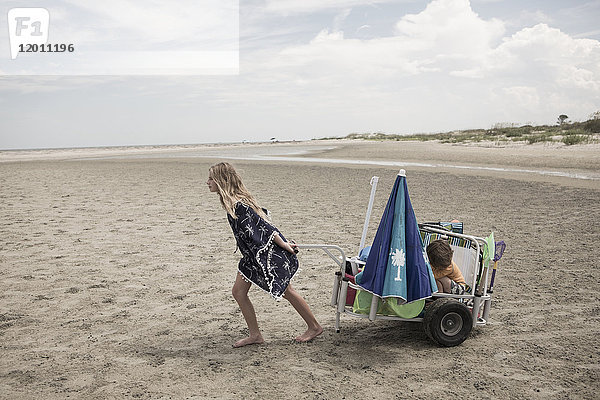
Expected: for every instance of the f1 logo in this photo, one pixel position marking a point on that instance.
(27, 26)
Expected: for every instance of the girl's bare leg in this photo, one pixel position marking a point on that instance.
(240, 294)
(314, 329)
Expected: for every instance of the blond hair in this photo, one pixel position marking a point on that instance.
(232, 189)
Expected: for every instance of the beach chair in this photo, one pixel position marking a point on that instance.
(447, 318)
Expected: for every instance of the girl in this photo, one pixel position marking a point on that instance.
(268, 260)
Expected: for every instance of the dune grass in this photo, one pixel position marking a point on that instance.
(566, 133)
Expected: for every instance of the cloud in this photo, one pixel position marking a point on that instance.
(449, 53)
(339, 19)
(287, 7)
(523, 96)
(447, 36)
(450, 27)
(31, 85)
(151, 22)
(547, 55)
(587, 34)
(529, 18)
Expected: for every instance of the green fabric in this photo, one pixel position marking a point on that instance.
(389, 306)
(489, 250)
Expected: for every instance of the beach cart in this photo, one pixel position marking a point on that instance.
(395, 282)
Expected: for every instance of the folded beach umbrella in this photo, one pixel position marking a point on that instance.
(396, 266)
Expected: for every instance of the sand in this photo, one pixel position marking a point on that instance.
(116, 275)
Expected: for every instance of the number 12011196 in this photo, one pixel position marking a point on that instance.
(46, 48)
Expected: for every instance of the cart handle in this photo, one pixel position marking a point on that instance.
(326, 248)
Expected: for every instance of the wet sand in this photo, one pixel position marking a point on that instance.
(117, 276)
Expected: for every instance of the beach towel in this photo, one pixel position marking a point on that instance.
(362, 305)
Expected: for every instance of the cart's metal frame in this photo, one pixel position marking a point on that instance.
(478, 298)
(477, 303)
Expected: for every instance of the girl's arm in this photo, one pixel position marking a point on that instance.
(284, 245)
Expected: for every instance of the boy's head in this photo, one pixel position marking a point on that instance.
(439, 254)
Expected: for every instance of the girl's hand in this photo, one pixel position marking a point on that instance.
(289, 247)
(294, 247)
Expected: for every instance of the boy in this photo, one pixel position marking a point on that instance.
(447, 276)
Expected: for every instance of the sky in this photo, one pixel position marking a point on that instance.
(319, 68)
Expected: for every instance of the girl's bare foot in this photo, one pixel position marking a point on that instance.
(310, 334)
(249, 340)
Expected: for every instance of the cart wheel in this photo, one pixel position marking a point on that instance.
(448, 322)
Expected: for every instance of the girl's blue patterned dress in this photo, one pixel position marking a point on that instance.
(263, 262)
